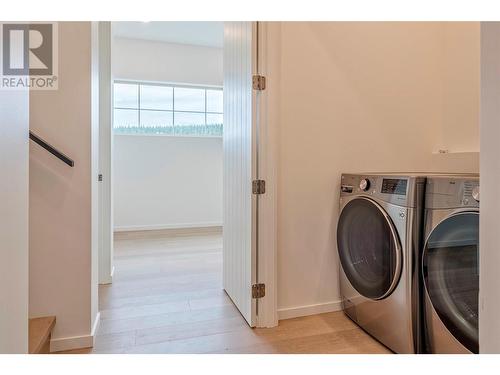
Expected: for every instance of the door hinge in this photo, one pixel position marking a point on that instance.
(258, 187)
(258, 290)
(99, 178)
(259, 82)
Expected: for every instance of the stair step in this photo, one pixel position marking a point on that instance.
(40, 330)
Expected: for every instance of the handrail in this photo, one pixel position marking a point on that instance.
(39, 141)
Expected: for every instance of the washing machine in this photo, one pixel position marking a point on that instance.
(379, 241)
(450, 264)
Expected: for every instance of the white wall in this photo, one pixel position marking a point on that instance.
(167, 182)
(14, 123)
(354, 97)
(489, 254)
(166, 62)
(461, 71)
(61, 199)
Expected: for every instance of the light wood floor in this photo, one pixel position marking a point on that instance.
(167, 297)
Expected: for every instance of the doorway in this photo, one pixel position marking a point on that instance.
(173, 164)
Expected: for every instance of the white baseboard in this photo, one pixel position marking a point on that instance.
(109, 279)
(76, 342)
(133, 228)
(320, 308)
(97, 321)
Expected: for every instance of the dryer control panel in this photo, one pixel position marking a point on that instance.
(452, 192)
(396, 189)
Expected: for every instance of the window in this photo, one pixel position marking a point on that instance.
(167, 109)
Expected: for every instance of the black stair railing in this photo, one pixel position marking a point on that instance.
(58, 154)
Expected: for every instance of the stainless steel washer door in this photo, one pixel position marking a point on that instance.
(369, 248)
(451, 275)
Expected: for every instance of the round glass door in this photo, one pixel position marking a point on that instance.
(369, 249)
(451, 275)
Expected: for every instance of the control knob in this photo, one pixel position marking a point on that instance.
(364, 184)
(475, 193)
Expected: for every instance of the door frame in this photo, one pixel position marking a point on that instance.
(266, 112)
(106, 267)
(14, 220)
(489, 235)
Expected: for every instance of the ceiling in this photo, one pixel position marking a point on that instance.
(209, 34)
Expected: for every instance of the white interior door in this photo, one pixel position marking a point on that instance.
(239, 214)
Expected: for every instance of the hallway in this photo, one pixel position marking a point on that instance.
(167, 297)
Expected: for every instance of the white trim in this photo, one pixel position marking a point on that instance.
(136, 228)
(105, 280)
(97, 321)
(105, 154)
(268, 155)
(320, 308)
(76, 342)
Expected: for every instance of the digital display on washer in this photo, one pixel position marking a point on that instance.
(394, 186)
